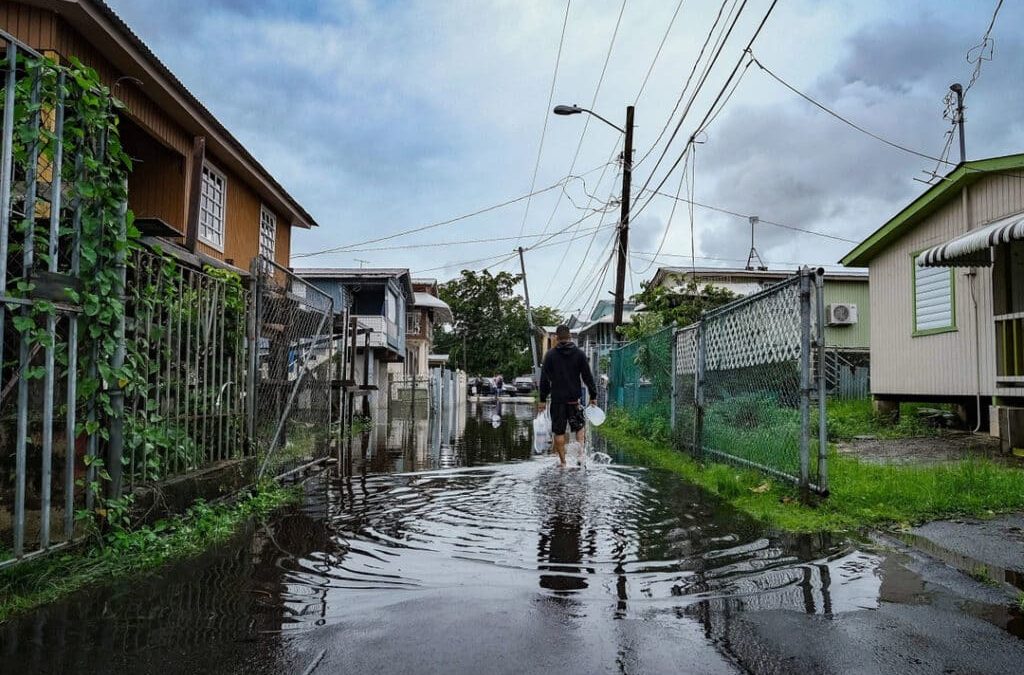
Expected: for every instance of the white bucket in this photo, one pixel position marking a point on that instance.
(594, 415)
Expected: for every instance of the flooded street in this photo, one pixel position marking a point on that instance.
(451, 549)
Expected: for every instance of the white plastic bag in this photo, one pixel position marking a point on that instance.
(542, 433)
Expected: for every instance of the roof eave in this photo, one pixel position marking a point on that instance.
(100, 16)
(927, 203)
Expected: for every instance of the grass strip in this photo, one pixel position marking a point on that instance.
(123, 553)
(862, 494)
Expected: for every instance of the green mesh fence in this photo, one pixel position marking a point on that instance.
(640, 380)
(740, 386)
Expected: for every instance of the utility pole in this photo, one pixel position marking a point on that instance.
(957, 89)
(627, 177)
(529, 319)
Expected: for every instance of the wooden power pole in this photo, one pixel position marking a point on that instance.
(627, 177)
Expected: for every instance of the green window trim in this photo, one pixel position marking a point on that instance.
(938, 330)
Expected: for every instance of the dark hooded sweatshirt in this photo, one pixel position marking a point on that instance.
(565, 367)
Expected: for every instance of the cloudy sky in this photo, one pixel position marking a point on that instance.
(384, 116)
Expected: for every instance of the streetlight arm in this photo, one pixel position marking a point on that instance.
(611, 124)
(576, 110)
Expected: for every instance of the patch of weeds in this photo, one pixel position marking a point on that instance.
(122, 552)
(1020, 601)
(982, 576)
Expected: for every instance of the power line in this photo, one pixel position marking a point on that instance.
(593, 102)
(714, 104)
(645, 255)
(544, 243)
(979, 49)
(547, 114)
(760, 220)
(457, 242)
(607, 251)
(686, 86)
(844, 120)
(346, 247)
(671, 215)
(657, 54)
(719, 46)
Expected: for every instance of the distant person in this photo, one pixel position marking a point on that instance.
(563, 375)
(499, 385)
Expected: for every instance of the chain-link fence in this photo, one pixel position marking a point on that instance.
(740, 385)
(640, 380)
(294, 363)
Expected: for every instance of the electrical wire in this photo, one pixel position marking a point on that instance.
(657, 54)
(703, 124)
(593, 102)
(842, 119)
(978, 50)
(494, 207)
(458, 242)
(689, 78)
(648, 255)
(547, 114)
(717, 49)
(760, 220)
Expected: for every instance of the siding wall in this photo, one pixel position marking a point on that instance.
(942, 364)
(160, 189)
(857, 336)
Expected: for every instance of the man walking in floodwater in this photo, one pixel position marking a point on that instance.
(564, 372)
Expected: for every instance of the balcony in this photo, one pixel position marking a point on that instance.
(386, 333)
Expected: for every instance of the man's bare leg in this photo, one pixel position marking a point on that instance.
(581, 438)
(559, 448)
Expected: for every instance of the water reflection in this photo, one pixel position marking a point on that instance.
(593, 550)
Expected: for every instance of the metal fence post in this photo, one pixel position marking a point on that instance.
(252, 329)
(805, 376)
(698, 393)
(819, 288)
(116, 445)
(673, 345)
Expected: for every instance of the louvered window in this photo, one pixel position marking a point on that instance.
(934, 299)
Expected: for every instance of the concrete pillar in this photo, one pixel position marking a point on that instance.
(887, 410)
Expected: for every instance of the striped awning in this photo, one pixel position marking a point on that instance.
(973, 248)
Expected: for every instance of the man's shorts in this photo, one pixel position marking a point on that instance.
(563, 414)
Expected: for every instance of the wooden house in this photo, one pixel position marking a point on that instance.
(193, 188)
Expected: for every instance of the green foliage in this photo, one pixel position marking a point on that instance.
(491, 331)
(862, 494)
(642, 325)
(122, 553)
(681, 308)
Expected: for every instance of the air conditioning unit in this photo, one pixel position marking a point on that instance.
(840, 314)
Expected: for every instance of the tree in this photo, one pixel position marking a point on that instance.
(682, 308)
(490, 333)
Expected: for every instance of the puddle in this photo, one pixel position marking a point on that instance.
(450, 547)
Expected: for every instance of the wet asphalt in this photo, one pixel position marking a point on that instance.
(456, 551)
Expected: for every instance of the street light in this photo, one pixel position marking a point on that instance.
(576, 110)
(627, 177)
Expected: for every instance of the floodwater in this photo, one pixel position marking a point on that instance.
(450, 548)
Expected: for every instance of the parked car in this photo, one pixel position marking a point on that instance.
(482, 386)
(524, 384)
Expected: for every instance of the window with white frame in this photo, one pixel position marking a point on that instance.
(268, 233)
(212, 206)
(934, 299)
(412, 322)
